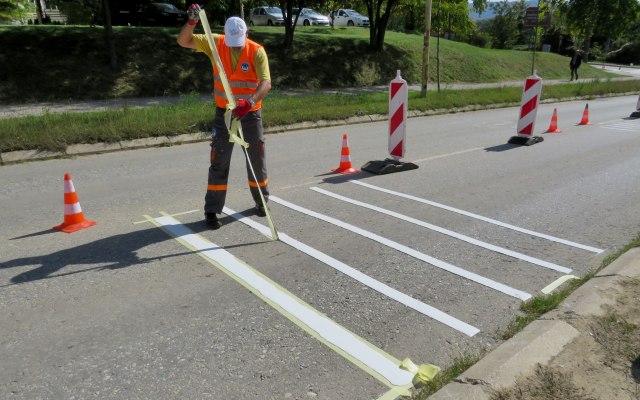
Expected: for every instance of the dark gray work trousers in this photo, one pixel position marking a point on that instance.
(221, 149)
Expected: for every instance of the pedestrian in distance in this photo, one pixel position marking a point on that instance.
(574, 64)
(247, 69)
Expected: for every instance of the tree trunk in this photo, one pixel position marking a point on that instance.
(39, 12)
(108, 30)
(378, 23)
(425, 49)
(289, 27)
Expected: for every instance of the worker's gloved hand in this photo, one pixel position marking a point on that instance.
(193, 12)
(242, 108)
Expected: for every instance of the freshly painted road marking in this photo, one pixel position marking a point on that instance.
(407, 250)
(554, 285)
(630, 125)
(480, 217)
(354, 348)
(447, 232)
(360, 277)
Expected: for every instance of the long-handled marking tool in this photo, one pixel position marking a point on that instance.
(234, 127)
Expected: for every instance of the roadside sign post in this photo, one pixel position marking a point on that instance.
(532, 20)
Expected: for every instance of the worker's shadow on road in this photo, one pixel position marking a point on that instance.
(114, 252)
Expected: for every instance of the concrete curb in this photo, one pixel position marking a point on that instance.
(14, 157)
(543, 339)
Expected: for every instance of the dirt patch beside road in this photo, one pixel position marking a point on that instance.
(602, 363)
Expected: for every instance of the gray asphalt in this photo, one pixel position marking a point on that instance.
(122, 310)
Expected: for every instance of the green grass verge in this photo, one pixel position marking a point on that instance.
(459, 365)
(54, 132)
(533, 308)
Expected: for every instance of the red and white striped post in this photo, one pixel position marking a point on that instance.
(398, 113)
(398, 106)
(528, 112)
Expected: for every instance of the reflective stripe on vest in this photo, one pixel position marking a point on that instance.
(243, 80)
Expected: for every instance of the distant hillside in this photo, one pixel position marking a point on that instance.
(489, 12)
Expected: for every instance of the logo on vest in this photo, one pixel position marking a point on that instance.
(245, 66)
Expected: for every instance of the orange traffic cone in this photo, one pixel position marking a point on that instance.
(345, 159)
(553, 127)
(73, 216)
(585, 116)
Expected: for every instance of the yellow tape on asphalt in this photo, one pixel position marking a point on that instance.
(554, 285)
(392, 365)
(171, 215)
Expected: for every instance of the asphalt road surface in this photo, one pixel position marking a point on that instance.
(425, 264)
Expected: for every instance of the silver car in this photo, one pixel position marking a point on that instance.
(344, 17)
(310, 17)
(266, 16)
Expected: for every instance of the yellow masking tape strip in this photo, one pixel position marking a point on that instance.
(172, 215)
(423, 373)
(402, 390)
(216, 58)
(553, 286)
(233, 126)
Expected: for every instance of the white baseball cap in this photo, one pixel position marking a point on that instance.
(235, 32)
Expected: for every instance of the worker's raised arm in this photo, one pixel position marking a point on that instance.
(185, 38)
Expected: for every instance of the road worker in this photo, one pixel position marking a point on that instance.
(247, 69)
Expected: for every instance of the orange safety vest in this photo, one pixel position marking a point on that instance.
(243, 80)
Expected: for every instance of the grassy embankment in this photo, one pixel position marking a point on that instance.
(62, 63)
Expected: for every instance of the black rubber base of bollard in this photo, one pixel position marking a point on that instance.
(525, 141)
(388, 166)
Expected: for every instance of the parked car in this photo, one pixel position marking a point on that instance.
(310, 17)
(161, 14)
(266, 16)
(345, 17)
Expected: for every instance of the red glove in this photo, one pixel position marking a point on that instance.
(242, 108)
(193, 14)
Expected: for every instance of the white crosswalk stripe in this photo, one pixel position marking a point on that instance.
(628, 125)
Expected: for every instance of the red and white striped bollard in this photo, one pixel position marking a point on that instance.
(398, 106)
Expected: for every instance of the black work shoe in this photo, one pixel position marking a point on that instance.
(260, 211)
(212, 220)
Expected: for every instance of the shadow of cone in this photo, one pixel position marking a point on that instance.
(345, 159)
(585, 116)
(73, 216)
(553, 127)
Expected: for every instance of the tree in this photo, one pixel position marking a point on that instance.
(452, 17)
(289, 20)
(39, 12)
(604, 17)
(505, 27)
(102, 8)
(479, 6)
(16, 10)
(379, 12)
